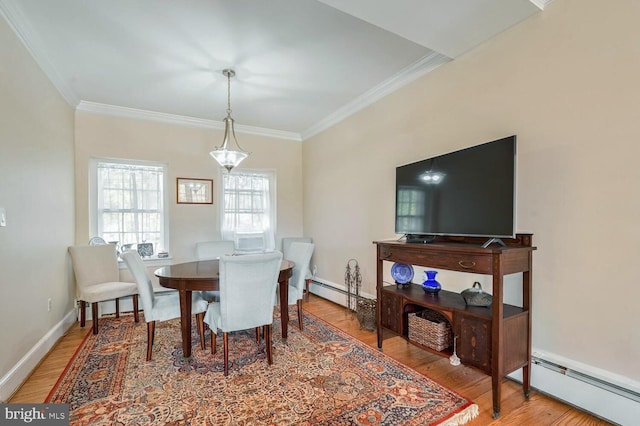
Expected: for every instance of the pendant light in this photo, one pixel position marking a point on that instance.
(229, 155)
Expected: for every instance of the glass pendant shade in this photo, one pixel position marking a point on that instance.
(229, 154)
(229, 158)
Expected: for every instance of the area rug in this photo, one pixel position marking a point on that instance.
(320, 376)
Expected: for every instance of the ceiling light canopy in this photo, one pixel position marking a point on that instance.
(229, 154)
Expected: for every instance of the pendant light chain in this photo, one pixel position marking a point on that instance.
(226, 155)
(228, 94)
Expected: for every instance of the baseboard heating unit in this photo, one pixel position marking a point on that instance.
(605, 395)
(333, 292)
(589, 379)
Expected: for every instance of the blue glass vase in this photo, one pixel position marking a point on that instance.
(430, 285)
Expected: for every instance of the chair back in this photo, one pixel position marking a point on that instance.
(207, 250)
(143, 280)
(287, 241)
(300, 254)
(95, 264)
(247, 288)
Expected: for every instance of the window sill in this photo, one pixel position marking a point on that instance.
(150, 261)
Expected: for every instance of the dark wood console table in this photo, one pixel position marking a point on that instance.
(495, 339)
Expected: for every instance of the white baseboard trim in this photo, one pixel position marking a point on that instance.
(336, 295)
(14, 378)
(607, 405)
(620, 406)
(331, 291)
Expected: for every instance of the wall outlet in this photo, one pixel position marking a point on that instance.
(49, 305)
(3, 217)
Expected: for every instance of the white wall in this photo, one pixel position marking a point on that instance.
(566, 82)
(44, 154)
(36, 189)
(186, 152)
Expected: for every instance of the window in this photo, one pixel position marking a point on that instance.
(128, 202)
(409, 208)
(248, 210)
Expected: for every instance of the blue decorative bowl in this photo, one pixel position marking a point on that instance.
(402, 273)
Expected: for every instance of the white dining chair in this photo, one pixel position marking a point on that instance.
(161, 306)
(98, 279)
(247, 298)
(286, 250)
(208, 250)
(300, 254)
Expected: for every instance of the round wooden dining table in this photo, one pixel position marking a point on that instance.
(203, 276)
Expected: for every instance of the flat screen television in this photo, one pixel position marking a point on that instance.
(470, 192)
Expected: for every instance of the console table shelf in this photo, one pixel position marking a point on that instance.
(495, 339)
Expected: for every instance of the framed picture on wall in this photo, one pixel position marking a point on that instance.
(194, 191)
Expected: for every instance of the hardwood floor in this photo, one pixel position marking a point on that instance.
(539, 410)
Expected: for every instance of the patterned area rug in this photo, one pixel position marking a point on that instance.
(320, 376)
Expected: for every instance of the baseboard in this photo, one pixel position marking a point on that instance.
(601, 393)
(610, 396)
(14, 378)
(332, 291)
(610, 406)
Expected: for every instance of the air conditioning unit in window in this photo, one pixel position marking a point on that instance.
(250, 242)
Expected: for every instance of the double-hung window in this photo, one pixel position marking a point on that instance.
(249, 210)
(410, 209)
(128, 202)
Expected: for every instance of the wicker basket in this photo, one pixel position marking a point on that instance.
(430, 329)
(366, 311)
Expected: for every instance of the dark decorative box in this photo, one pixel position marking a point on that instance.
(145, 249)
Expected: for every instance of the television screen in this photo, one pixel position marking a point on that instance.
(470, 192)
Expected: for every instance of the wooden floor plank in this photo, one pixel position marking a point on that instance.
(516, 410)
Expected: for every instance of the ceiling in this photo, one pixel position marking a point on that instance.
(301, 65)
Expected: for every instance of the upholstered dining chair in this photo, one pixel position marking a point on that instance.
(160, 306)
(214, 249)
(98, 279)
(247, 298)
(286, 250)
(207, 250)
(300, 254)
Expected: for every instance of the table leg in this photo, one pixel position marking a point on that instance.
(185, 321)
(284, 306)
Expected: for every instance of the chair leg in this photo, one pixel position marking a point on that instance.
(267, 340)
(213, 342)
(151, 329)
(300, 314)
(94, 316)
(83, 313)
(200, 321)
(258, 335)
(307, 283)
(225, 341)
(136, 315)
(117, 308)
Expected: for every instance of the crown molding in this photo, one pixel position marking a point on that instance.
(31, 41)
(540, 4)
(419, 68)
(139, 114)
